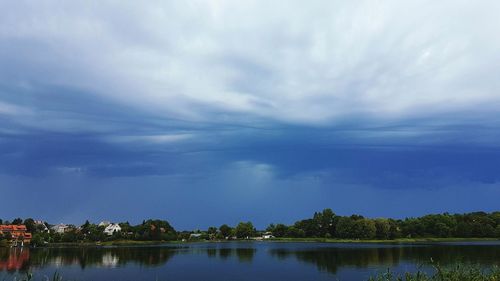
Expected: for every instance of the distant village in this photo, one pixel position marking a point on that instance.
(18, 234)
(29, 232)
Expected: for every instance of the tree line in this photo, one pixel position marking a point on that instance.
(324, 224)
(327, 224)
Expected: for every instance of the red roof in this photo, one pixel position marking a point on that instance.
(13, 227)
(16, 231)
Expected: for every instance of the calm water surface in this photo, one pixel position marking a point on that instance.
(240, 261)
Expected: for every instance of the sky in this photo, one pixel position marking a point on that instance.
(212, 112)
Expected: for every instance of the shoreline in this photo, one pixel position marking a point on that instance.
(384, 241)
(119, 243)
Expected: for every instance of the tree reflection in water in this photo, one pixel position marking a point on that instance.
(15, 259)
(327, 258)
(242, 254)
(84, 257)
(330, 259)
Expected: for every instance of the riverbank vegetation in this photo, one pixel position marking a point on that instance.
(324, 226)
(458, 272)
(327, 224)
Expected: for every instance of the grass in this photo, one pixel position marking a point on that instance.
(459, 272)
(322, 240)
(110, 243)
(29, 277)
(283, 239)
(399, 240)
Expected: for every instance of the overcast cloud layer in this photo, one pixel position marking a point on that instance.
(250, 102)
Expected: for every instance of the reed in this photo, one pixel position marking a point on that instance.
(458, 272)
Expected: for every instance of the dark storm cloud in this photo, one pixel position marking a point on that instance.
(257, 108)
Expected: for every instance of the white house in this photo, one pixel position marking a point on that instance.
(60, 228)
(112, 228)
(104, 223)
(41, 226)
(194, 235)
(267, 235)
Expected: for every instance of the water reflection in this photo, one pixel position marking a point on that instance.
(331, 259)
(23, 259)
(14, 259)
(243, 254)
(325, 257)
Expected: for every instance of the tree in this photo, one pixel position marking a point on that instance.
(30, 225)
(155, 230)
(394, 229)
(37, 240)
(17, 221)
(245, 230)
(280, 230)
(295, 232)
(344, 228)
(71, 236)
(325, 222)
(309, 227)
(364, 229)
(86, 226)
(7, 236)
(497, 231)
(225, 230)
(212, 230)
(95, 233)
(383, 229)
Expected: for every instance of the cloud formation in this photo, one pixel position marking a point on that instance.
(213, 60)
(251, 103)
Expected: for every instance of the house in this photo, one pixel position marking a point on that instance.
(112, 228)
(60, 228)
(195, 235)
(267, 235)
(41, 226)
(18, 233)
(104, 223)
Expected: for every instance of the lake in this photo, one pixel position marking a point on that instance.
(241, 260)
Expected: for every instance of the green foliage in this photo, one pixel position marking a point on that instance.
(295, 232)
(37, 240)
(245, 230)
(7, 236)
(458, 272)
(279, 230)
(156, 230)
(356, 227)
(307, 227)
(30, 225)
(324, 224)
(225, 230)
(383, 229)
